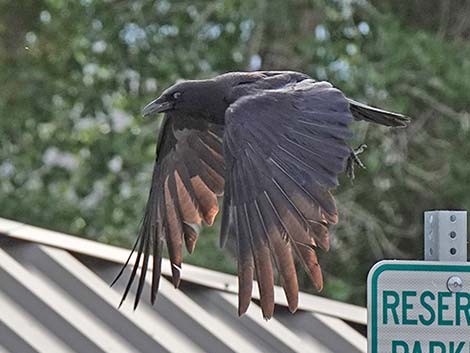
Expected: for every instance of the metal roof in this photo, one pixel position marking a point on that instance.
(55, 297)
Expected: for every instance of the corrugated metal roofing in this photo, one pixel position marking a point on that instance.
(55, 297)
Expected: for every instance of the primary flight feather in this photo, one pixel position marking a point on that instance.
(273, 143)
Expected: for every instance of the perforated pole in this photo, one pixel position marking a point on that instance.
(445, 236)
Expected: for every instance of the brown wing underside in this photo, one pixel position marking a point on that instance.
(187, 178)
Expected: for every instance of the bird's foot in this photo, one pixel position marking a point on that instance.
(354, 159)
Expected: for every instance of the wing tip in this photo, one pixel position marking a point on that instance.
(268, 310)
(136, 303)
(209, 217)
(243, 307)
(153, 298)
(267, 317)
(293, 307)
(292, 297)
(176, 274)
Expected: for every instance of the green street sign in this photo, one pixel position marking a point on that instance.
(419, 307)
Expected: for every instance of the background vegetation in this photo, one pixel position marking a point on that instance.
(76, 156)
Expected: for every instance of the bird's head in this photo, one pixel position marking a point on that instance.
(195, 96)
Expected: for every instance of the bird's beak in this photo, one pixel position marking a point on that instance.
(157, 106)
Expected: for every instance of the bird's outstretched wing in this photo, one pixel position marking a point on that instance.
(187, 178)
(283, 151)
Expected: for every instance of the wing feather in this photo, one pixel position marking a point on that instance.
(262, 260)
(207, 200)
(227, 212)
(189, 213)
(245, 263)
(157, 264)
(282, 255)
(140, 287)
(174, 235)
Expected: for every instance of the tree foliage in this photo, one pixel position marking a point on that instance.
(76, 156)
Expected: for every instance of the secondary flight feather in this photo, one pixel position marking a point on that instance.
(273, 143)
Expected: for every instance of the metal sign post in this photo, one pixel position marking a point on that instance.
(445, 236)
(424, 306)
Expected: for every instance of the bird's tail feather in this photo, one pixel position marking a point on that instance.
(362, 111)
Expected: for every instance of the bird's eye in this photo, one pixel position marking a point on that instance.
(176, 95)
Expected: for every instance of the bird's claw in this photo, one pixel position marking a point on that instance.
(354, 159)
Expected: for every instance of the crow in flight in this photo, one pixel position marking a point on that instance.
(272, 143)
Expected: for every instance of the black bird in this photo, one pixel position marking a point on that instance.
(273, 143)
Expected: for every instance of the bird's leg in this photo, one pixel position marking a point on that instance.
(354, 159)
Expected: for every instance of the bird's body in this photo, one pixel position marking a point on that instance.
(273, 143)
